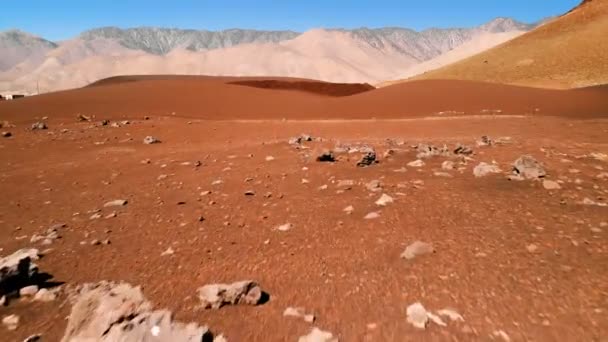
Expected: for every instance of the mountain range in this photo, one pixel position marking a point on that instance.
(29, 63)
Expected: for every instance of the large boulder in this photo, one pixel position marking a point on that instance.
(119, 312)
(527, 167)
(17, 269)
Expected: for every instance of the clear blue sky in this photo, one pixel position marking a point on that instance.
(62, 19)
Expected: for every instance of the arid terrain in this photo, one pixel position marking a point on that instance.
(227, 194)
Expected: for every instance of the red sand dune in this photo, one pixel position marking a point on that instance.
(276, 98)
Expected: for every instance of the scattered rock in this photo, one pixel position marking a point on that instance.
(151, 140)
(417, 248)
(7, 134)
(349, 210)
(269, 158)
(372, 215)
(299, 312)
(345, 183)
(425, 151)
(502, 335)
(17, 269)
(451, 314)
(168, 251)
(463, 150)
(485, 141)
(299, 140)
(448, 165)
(11, 322)
(247, 292)
(82, 117)
(116, 203)
(374, 185)
(285, 227)
(528, 168)
(45, 295)
(442, 174)
(108, 312)
(484, 169)
(33, 338)
(416, 163)
(384, 200)
(327, 156)
(318, 335)
(417, 316)
(39, 126)
(551, 185)
(368, 159)
(28, 291)
(249, 193)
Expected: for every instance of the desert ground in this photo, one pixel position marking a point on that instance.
(233, 190)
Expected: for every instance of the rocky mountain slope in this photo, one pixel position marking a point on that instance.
(16, 46)
(359, 55)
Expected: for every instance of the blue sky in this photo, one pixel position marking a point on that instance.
(62, 19)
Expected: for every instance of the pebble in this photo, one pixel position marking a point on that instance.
(285, 227)
(269, 158)
(318, 335)
(484, 169)
(551, 185)
(417, 316)
(349, 210)
(116, 203)
(11, 322)
(249, 193)
(448, 165)
(532, 248)
(28, 291)
(45, 295)
(372, 215)
(298, 312)
(417, 248)
(168, 251)
(416, 163)
(384, 200)
(7, 134)
(151, 140)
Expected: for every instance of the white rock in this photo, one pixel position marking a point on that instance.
(451, 314)
(28, 290)
(416, 163)
(98, 307)
(151, 140)
(285, 227)
(168, 251)
(417, 248)
(551, 185)
(318, 335)
(372, 215)
(349, 210)
(448, 165)
(417, 316)
(298, 312)
(269, 158)
(484, 169)
(10, 322)
(116, 203)
(436, 319)
(214, 296)
(384, 200)
(45, 295)
(502, 335)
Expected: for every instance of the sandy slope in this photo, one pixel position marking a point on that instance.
(478, 44)
(221, 98)
(569, 51)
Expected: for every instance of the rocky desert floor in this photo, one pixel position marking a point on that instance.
(227, 201)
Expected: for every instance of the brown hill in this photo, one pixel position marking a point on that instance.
(570, 51)
(277, 98)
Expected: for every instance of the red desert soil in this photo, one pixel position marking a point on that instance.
(511, 257)
(568, 52)
(220, 98)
